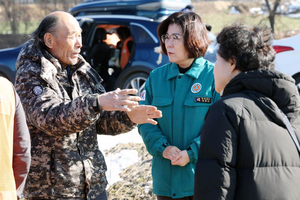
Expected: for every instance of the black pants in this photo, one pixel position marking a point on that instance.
(169, 198)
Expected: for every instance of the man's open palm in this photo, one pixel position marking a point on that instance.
(142, 114)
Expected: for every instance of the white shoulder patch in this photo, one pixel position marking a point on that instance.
(143, 95)
(37, 90)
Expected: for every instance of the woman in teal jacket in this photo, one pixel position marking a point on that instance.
(183, 90)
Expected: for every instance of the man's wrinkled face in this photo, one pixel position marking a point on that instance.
(67, 41)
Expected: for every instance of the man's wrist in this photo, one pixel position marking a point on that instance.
(96, 105)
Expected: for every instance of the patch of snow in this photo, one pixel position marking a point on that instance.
(233, 10)
(106, 142)
(116, 163)
(258, 11)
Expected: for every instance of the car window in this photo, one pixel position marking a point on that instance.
(141, 35)
(85, 26)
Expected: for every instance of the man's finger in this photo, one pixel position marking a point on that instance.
(152, 111)
(151, 121)
(128, 91)
(128, 103)
(122, 108)
(156, 114)
(149, 108)
(133, 98)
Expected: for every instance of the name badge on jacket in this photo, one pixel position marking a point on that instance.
(203, 99)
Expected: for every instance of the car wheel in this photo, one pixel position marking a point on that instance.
(297, 79)
(136, 81)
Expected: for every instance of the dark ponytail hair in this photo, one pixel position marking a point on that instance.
(47, 25)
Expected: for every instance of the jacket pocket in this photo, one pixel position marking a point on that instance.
(196, 111)
(165, 105)
(162, 101)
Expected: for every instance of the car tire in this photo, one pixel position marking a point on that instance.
(136, 81)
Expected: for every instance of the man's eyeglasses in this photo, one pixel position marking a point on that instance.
(174, 37)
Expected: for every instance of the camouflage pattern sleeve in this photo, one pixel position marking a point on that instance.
(114, 122)
(48, 106)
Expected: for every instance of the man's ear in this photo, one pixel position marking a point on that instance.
(48, 39)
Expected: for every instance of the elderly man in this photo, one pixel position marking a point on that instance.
(66, 107)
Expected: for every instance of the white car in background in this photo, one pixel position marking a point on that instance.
(288, 57)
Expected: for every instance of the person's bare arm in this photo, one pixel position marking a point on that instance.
(21, 148)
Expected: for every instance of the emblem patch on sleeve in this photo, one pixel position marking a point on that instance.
(37, 90)
(203, 99)
(143, 95)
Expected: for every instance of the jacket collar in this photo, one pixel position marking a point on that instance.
(194, 72)
(51, 66)
(272, 84)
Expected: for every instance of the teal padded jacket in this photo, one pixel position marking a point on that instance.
(184, 100)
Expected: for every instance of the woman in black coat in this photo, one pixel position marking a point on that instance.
(246, 151)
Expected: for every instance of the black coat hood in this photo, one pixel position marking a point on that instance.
(279, 87)
(246, 152)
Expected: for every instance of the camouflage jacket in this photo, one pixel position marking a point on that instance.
(63, 123)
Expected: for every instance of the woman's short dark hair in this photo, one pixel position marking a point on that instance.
(249, 46)
(194, 32)
(47, 25)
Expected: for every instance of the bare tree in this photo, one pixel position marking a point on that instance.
(55, 2)
(11, 12)
(28, 14)
(272, 12)
(66, 5)
(45, 9)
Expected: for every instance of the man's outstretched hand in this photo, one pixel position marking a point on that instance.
(142, 114)
(118, 100)
(124, 100)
